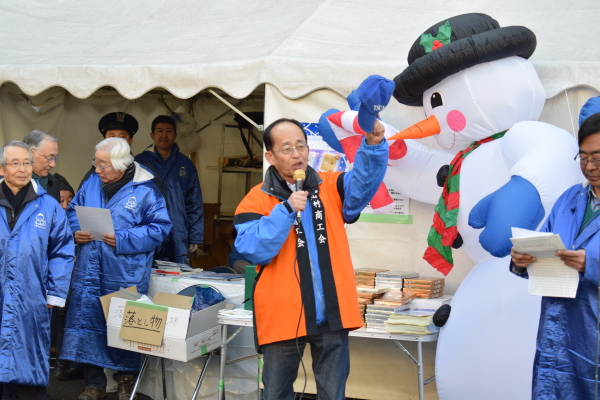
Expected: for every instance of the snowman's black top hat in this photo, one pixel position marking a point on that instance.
(455, 44)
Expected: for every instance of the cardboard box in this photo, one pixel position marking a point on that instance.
(184, 338)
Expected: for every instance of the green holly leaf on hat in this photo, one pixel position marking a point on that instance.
(431, 43)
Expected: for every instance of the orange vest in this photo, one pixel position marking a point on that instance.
(278, 310)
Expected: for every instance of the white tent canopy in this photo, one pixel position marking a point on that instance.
(236, 45)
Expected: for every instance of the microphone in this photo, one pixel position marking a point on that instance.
(299, 176)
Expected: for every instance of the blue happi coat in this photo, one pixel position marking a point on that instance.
(141, 223)
(36, 259)
(184, 198)
(565, 357)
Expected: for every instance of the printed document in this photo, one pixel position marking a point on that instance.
(96, 221)
(548, 276)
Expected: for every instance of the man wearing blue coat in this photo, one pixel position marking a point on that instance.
(184, 196)
(566, 353)
(119, 260)
(36, 260)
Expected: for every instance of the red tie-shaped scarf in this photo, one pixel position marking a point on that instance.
(444, 230)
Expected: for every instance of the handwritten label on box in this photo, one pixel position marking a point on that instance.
(143, 323)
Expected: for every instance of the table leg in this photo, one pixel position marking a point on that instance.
(164, 381)
(419, 363)
(222, 361)
(201, 376)
(420, 368)
(139, 378)
(259, 378)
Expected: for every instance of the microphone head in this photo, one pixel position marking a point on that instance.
(299, 175)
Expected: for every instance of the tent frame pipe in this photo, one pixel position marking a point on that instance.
(228, 104)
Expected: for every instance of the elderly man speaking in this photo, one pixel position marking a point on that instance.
(36, 259)
(141, 223)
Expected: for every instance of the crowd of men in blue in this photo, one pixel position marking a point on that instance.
(157, 211)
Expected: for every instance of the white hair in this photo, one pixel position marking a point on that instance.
(36, 137)
(120, 153)
(14, 143)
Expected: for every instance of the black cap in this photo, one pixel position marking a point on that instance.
(118, 120)
(455, 44)
(63, 184)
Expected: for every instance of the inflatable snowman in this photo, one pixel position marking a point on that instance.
(500, 168)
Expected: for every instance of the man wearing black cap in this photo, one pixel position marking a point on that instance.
(116, 124)
(184, 195)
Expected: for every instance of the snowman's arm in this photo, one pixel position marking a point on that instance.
(412, 166)
(515, 204)
(542, 154)
(540, 160)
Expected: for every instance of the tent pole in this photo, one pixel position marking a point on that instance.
(228, 104)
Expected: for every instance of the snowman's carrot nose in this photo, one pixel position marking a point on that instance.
(427, 127)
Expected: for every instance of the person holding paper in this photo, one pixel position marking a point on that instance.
(565, 360)
(122, 259)
(36, 260)
(305, 291)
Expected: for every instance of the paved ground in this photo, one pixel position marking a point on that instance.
(61, 390)
(69, 390)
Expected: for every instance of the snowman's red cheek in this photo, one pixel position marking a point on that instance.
(456, 120)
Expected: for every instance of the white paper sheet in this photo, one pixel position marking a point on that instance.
(548, 276)
(96, 221)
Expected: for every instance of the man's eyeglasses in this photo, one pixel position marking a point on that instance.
(584, 161)
(53, 158)
(287, 150)
(101, 166)
(24, 164)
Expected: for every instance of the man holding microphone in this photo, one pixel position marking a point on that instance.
(305, 291)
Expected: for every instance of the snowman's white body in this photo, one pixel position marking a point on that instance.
(486, 349)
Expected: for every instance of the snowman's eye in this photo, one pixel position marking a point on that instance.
(436, 100)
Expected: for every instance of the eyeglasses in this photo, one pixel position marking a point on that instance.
(101, 166)
(24, 164)
(53, 158)
(584, 161)
(287, 150)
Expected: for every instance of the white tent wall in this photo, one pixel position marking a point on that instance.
(206, 108)
(74, 122)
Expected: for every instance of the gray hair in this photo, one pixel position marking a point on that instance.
(120, 153)
(14, 143)
(36, 136)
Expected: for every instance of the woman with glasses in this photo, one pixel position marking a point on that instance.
(122, 259)
(567, 357)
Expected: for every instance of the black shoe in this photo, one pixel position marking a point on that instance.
(63, 371)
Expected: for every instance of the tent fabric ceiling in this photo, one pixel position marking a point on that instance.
(235, 45)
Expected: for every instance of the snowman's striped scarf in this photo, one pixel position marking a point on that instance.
(443, 232)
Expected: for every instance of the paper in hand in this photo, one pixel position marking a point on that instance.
(96, 221)
(548, 276)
